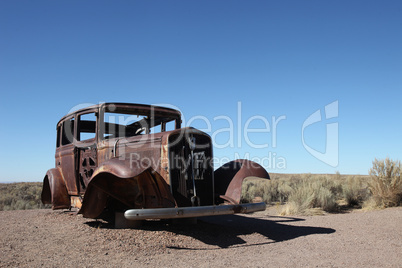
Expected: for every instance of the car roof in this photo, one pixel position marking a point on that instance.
(129, 106)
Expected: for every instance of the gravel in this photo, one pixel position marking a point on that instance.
(46, 238)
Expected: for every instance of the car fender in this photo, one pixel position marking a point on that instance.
(228, 179)
(54, 190)
(141, 188)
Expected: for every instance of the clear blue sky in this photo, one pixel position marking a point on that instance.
(277, 58)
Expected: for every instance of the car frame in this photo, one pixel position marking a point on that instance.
(137, 160)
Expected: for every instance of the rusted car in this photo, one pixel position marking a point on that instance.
(137, 160)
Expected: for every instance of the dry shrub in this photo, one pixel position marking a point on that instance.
(21, 196)
(299, 202)
(270, 191)
(385, 184)
(355, 191)
(310, 195)
(303, 194)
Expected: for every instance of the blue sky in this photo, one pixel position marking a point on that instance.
(208, 58)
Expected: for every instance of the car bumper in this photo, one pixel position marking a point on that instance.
(190, 212)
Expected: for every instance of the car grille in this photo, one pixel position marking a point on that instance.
(190, 169)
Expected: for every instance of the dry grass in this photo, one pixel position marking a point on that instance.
(386, 184)
(20, 196)
(355, 191)
(308, 194)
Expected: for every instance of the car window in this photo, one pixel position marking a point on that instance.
(124, 125)
(86, 126)
(123, 122)
(67, 136)
(171, 125)
(58, 136)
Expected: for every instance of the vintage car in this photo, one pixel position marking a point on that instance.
(136, 160)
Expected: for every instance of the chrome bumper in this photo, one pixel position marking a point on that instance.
(190, 212)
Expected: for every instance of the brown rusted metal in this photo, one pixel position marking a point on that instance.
(54, 190)
(116, 166)
(229, 178)
(146, 190)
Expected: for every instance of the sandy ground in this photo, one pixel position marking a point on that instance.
(60, 239)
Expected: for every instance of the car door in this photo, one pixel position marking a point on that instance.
(65, 153)
(86, 148)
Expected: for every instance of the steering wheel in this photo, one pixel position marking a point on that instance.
(140, 130)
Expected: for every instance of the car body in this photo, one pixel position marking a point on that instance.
(136, 159)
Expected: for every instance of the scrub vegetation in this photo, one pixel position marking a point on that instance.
(386, 183)
(20, 196)
(309, 194)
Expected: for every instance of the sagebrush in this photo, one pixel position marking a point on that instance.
(385, 184)
(307, 193)
(21, 196)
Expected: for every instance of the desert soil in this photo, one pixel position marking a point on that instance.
(48, 238)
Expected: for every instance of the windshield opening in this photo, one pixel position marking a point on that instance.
(129, 123)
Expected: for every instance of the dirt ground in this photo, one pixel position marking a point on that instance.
(48, 238)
